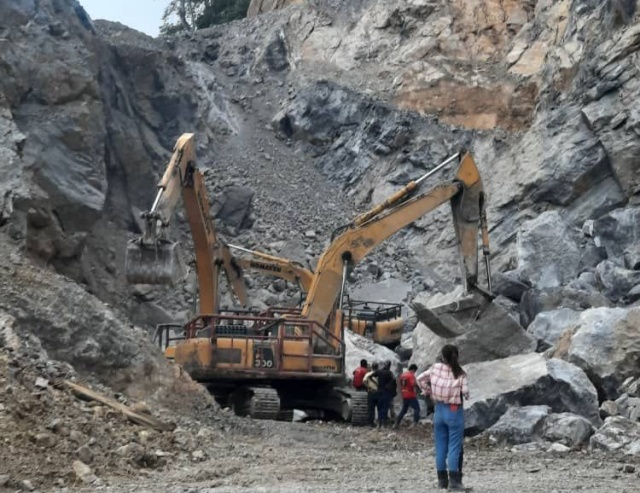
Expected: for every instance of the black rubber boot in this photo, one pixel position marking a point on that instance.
(443, 480)
(455, 481)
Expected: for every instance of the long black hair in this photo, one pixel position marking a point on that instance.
(450, 357)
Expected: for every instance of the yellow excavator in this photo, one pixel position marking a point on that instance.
(153, 259)
(265, 365)
(382, 322)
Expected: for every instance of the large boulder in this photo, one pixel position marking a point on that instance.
(509, 284)
(605, 343)
(617, 281)
(618, 233)
(548, 255)
(233, 207)
(617, 435)
(526, 380)
(497, 336)
(576, 297)
(548, 327)
(519, 425)
(568, 428)
(481, 329)
(358, 348)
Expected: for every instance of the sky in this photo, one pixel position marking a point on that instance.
(143, 15)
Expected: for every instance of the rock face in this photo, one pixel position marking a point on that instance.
(257, 7)
(605, 343)
(548, 256)
(526, 380)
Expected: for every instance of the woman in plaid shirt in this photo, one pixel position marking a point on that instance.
(446, 382)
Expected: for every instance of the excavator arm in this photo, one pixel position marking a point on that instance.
(466, 195)
(279, 267)
(152, 259)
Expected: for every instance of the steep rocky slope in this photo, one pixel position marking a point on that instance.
(541, 92)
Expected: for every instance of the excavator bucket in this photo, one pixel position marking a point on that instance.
(159, 263)
(452, 315)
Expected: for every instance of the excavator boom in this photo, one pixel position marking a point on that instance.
(466, 195)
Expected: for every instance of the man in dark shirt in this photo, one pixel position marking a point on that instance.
(387, 386)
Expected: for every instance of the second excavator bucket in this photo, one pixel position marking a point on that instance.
(451, 315)
(158, 263)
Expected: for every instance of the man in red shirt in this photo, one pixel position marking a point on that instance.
(358, 375)
(409, 395)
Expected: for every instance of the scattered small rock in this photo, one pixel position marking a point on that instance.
(141, 407)
(27, 485)
(85, 454)
(42, 383)
(559, 448)
(45, 440)
(83, 472)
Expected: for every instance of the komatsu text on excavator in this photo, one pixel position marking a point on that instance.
(383, 322)
(267, 364)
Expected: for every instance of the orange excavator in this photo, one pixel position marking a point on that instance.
(153, 259)
(266, 364)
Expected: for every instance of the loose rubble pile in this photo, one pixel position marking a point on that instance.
(52, 437)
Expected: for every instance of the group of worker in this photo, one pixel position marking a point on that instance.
(445, 384)
(381, 386)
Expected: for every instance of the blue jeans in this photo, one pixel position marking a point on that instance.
(409, 403)
(385, 403)
(449, 433)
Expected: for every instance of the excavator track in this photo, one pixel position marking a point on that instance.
(264, 404)
(359, 409)
(285, 415)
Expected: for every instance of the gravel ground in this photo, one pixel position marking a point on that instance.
(314, 457)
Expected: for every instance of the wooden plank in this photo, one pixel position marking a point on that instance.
(133, 416)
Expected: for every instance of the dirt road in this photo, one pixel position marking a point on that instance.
(315, 457)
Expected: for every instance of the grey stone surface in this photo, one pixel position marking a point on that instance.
(233, 207)
(508, 284)
(617, 281)
(526, 380)
(606, 345)
(519, 425)
(358, 348)
(575, 297)
(619, 233)
(617, 435)
(570, 429)
(548, 255)
(548, 327)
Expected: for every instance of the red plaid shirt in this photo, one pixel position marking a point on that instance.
(442, 385)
